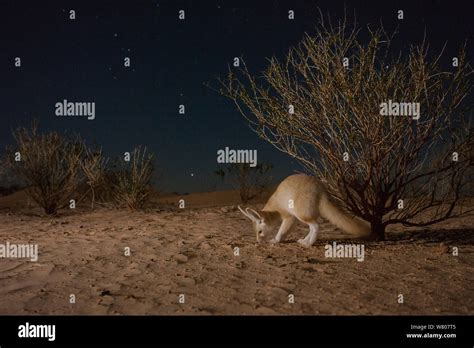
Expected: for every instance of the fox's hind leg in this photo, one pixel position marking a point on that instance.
(285, 227)
(312, 235)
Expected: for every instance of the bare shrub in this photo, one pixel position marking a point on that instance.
(368, 162)
(133, 180)
(94, 166)
(49, 166)
(249, 181)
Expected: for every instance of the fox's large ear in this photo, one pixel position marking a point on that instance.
(254, 213)
(248, 214)
(244, 212)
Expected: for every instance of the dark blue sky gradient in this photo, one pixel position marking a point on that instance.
(82, 60)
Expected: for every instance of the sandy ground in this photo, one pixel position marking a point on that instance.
(191, 252)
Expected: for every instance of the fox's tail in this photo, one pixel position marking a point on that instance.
(341, 219)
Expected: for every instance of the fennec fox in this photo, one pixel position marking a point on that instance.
(304, 198)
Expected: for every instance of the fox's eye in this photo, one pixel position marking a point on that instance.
(260, 233)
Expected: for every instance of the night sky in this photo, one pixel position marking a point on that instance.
(171, 61)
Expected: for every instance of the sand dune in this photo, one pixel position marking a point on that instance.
(191, 251)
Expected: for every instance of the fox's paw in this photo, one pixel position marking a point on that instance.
(273, 241)
(304, 242)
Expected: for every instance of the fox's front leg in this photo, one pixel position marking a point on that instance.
(285, 227)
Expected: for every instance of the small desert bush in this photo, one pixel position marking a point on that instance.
(49, 165)
(250, 182)
(132, 182)
(94, 167)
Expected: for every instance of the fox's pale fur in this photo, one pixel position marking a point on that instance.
(304, 198)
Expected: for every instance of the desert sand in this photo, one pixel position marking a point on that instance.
(191, 251)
